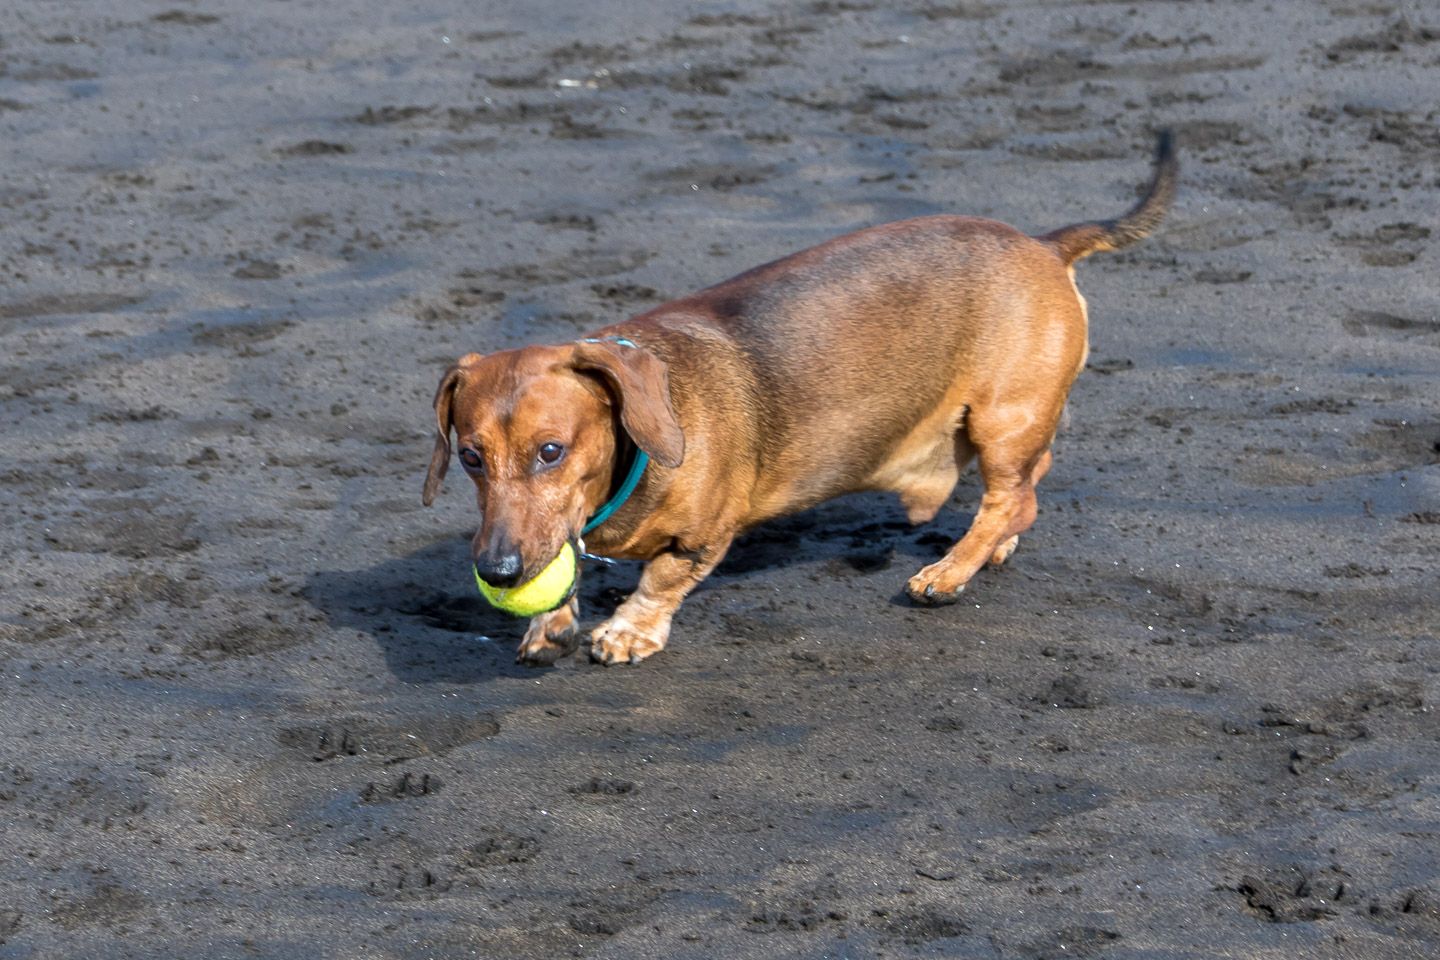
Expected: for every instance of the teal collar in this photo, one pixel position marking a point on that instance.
(627, 487)
(623, 341)
(632, 477)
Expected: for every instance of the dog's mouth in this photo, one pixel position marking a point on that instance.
(553, 559)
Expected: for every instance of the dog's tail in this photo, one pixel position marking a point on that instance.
(1082, 239)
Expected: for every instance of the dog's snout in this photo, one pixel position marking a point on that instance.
(499, 568)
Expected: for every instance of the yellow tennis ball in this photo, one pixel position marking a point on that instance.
(549, 589)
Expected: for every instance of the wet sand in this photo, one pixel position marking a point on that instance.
(254, 708)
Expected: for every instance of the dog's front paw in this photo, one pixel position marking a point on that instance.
(617, 640)
(935, 585)
(550, 636)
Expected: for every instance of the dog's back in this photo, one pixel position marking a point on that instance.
(849, 346)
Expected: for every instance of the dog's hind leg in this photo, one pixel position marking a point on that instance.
(1014, 452)
(1007, 549)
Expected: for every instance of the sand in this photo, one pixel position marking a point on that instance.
(253, 706)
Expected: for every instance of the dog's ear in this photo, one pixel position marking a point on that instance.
(641, 380)
(440, 458)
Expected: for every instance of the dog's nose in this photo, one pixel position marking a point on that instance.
(499, 568)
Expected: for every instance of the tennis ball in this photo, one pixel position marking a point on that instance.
(549, 589)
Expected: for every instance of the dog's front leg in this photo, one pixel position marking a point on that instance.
(641, 624)
(551, 636)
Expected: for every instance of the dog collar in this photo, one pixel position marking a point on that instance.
(623, 341)
(637, 466)
(627, 487)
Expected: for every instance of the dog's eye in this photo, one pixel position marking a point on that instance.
(471, 460)
(551, 453)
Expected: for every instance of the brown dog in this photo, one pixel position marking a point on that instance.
(881, 360)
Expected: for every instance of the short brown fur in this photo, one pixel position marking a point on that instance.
(885, 359)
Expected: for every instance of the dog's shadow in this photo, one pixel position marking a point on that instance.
(432, 626)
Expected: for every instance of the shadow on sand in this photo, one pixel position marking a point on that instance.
(423, 611)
